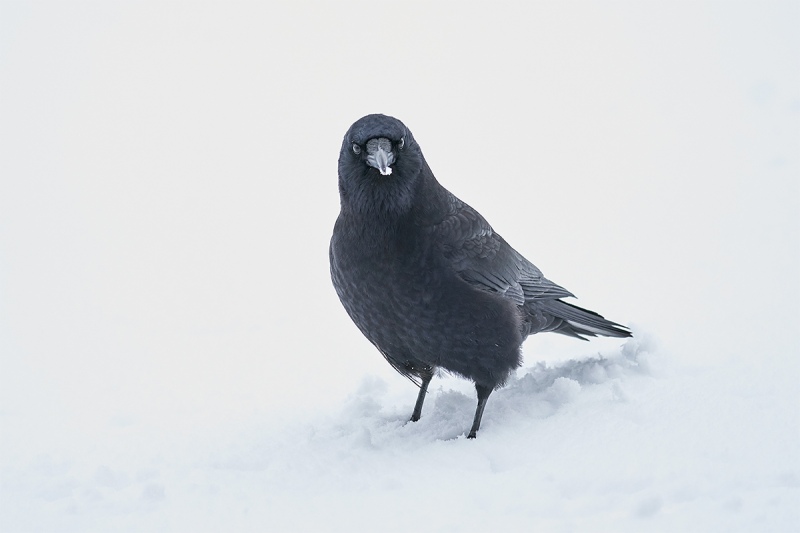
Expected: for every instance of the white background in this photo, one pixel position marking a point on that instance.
(168, 189)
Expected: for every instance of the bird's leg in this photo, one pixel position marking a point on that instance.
(483, 395)
(426, 376)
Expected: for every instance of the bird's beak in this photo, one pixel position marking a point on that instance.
(380, 160)
(380, 155)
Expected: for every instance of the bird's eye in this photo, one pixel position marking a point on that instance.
(356, 149)
(401, 143)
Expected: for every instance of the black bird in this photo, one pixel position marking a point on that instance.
(426, 279)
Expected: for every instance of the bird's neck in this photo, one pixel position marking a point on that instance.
(383, 202)
(389, 207)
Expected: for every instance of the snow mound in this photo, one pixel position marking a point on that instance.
(538, 393)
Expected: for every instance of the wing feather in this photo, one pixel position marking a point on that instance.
(483, 258)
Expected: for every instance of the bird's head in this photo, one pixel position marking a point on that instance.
(379, 163)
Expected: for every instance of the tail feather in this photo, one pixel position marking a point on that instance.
(579, 322)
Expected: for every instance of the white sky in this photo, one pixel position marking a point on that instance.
(168, 183)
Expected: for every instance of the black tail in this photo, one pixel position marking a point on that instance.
(579, 322)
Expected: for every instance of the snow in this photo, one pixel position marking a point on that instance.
(174, 358)
(622, 441)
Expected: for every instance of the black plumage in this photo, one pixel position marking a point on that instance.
(425, 277)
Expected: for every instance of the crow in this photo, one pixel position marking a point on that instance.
(427, 280)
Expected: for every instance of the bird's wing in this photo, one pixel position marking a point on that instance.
(485, 259)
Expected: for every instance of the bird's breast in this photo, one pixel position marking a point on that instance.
(406, 299)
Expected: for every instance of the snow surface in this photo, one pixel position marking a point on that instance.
(174, 358)
(616, 442)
